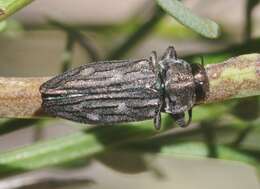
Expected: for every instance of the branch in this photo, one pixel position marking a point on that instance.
(20, 97)
(89, 142)
(79, 37)
(235, 78)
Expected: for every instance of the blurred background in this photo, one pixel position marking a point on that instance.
(220, 149)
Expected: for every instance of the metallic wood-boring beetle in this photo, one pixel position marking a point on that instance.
(108, 92)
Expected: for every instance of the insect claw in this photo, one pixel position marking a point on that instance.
(157, 117)
(181, 122)
(180, 119)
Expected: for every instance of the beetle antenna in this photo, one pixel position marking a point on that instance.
(153, 61)
(170, 53)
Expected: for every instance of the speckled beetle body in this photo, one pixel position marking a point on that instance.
(122, 91)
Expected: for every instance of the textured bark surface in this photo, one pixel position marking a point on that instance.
(20, 97)
(235, 78)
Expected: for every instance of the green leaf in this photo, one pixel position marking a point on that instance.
(73, 147)
(50, 152)
(203, 26)
(197, 149)
(9, 7)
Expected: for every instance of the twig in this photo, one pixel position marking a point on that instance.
(210, 138)
(242, 135)
(67, 53)
(79, 37)
(137, 35)
(250, 5)
(235, 78)
(20, 97)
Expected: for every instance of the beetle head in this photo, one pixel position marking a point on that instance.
(178, 83)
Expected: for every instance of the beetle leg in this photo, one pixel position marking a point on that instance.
(170, 53)
(180, 118)
(156, 69)
(157, 117)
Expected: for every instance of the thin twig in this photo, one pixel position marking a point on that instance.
(137, 35)
(242, 135)
(235, 78)
(20, 97)
(210, 138)
(79, 37)
(67, 53)
(250, 5)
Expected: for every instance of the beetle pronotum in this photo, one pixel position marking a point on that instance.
(121, 91)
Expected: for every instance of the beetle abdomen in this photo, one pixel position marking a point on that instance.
(103, 92)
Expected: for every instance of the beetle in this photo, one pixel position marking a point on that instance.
(107, 92)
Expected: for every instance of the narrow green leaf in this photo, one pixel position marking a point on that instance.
(197, 149)
(51, 152)
(73, 147)
(203, 26)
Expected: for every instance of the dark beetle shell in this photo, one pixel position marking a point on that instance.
(103, 92)
(122, 91)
